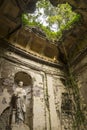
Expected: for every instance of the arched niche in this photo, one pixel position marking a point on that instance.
(23, 76)
(27, 85)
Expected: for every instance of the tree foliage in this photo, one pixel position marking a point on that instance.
(52, 20)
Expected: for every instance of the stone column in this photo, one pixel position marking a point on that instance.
(38, 107)
(54, 121)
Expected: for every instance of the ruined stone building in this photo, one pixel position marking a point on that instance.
(54, 76)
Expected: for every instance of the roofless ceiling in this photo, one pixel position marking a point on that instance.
(10, 21)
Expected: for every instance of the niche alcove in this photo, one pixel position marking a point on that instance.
(23, 76)
(28, 87)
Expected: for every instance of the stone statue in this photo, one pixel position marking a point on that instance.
(18, 108)
(18, 104)
(12, 117)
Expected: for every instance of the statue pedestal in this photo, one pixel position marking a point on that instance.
(19, 127)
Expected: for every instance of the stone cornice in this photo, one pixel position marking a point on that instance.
(11, 48)
(36, 44)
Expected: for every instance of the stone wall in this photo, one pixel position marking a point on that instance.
(44, 89)
(79, 70)
(10, 13)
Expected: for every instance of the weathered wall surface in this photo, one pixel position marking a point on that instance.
(10, 13)
(79, 69)
(44, 91)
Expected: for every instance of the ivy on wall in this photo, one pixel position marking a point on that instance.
(79, 117)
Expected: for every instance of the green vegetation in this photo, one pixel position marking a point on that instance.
(52, 20)
(79, 117)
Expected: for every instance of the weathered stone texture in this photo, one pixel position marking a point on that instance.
(79, 69)
(47, 94)
(10, 14)
(32, 42)
(44, 90)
